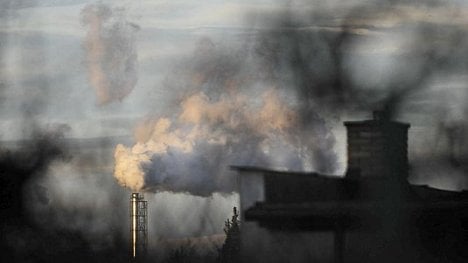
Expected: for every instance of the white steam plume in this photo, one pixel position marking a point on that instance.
(192, 152)
(227, 111)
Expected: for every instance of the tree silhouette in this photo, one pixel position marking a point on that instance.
(231, 247)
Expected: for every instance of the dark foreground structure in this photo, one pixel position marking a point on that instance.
(371, 214)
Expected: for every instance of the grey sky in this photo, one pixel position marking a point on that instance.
(43, 60)
(44, 73)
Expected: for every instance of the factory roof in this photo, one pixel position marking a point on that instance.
(271, 171)
(375, 123)
(379, 118)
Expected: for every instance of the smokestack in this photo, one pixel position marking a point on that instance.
(138, 226)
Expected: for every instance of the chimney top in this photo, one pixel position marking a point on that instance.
(380, 115)
(137, 196)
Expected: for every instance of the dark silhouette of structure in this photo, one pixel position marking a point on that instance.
(377, 147)
(371, 214)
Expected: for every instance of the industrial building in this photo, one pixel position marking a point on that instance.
(369, 214)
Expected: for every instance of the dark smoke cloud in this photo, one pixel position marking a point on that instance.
(22, 240)
(318, 56)
(111, 52)
(50, 212)
(314, 53)
(309, 55)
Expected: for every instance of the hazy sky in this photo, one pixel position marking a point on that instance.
(44, 69)
(43, 59)
(44, 62)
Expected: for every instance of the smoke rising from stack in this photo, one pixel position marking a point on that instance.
(111, 52)
(228, 112)
(315, 66)
(387, 57)
(192, 151)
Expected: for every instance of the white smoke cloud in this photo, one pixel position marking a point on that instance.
(192, 151)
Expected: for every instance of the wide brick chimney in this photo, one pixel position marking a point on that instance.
(377, 147)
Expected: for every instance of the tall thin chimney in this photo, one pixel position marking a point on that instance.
(138, 226)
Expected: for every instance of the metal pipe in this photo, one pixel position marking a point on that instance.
(134, 224)
(138, 226)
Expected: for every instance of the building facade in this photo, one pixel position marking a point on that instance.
(369, 214)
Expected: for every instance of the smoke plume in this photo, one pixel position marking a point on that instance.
(191, 152)
(273, 98)
(111, 52)
(227, 112)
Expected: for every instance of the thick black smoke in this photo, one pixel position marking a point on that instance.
(326, 59)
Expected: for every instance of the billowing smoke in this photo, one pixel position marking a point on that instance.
(192, 151)
(273, 98)
(227, 111)
(386, 56)
(111, 52)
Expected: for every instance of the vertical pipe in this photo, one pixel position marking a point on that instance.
(134, 224)
(138, 226)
